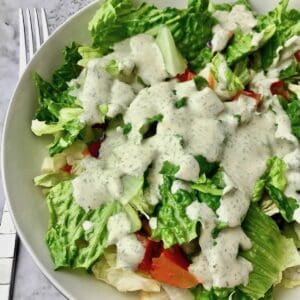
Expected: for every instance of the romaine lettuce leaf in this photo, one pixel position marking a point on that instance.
(200, 293)
(274, 182)
(266, 255)
(173, 225)
(206, 167)
(241, 70)
(54, 98)
(133, 194)
(207, 186)
(64, 139)
(228, 6)
(287, 25)
(69, 243)
(242, 44)
(227, 84)
(292, 70)
(69, 70)
(286, 205)
(88, 53)
(293, 111)
(274, 175)
(210, 190)
(191, 28)
(51, 179)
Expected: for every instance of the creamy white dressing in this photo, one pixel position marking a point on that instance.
(261, 83)
(245, 155)
(153, 223)
(231, 133)
(220, 38)
(226, 268)
(148, 59)
(287, 51)
(180, 185)
(87, 225)
(118, 226)
(97, 86)
(295, 88)
(130, 252)
(218, 263)
(238, 17)
(257, 38)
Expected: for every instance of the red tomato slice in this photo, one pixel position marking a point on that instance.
(251, 94)
(278, 88)
(186, 76)
(67, 168)
(297, 56)
(152, 249)
(175, 254)
(165, 269)
(211, 81)
(93, 148)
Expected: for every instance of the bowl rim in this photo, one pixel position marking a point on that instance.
(3, 168)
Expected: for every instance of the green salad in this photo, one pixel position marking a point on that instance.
(174, 168)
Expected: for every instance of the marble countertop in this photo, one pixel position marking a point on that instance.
(30, 283)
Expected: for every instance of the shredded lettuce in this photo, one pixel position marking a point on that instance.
(69, 70)
(266, 255)
(88, 53)
(242, 44)
(69, 243)
(293, 111)
(286, 205)
(292, 70)
(227, 83)
(290, 278)
(58, 111)
(274, 175)
(200, 293)
(123, 280)
(287, 23)
(209, 190)
(274, 182)
(173, 225)
(51, 179)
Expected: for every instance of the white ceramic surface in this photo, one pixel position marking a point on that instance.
(23, 152)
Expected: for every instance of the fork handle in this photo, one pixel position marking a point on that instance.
(9, 246)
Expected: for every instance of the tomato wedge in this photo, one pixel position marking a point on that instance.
(171, 269)
(211, 81)
(297, 56)
(152, 249)
(251, 94)
(278, 88)
(93, 148)
(186, 76)
(67, 168)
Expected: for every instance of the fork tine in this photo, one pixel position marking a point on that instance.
(44, 24)
(37, 29)
(22, 42)
(30, 37)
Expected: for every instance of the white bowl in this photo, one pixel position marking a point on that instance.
(23, 152)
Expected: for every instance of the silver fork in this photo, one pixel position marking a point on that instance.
(33, 32)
